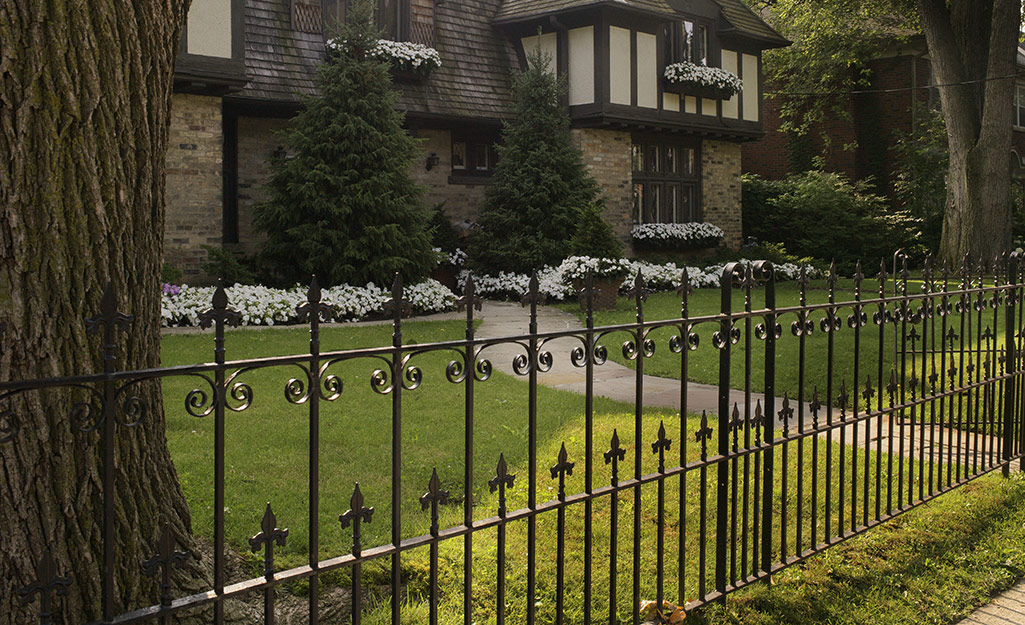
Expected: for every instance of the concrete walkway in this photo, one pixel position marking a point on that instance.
(1007, 608)
(618, 382)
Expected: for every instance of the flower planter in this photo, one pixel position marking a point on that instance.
(606, 296)
(698, 91)
(408, 76)
(445, 274)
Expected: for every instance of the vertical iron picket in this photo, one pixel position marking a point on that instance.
(765, 273)
(730, 275)
(1010, 358)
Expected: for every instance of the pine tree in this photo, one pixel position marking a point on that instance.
(540, 188)
(344, 206)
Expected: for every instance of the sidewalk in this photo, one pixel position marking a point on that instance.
(1007, 608)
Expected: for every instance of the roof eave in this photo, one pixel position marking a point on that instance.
(615, 4)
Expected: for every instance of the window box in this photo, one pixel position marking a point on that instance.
(698, 91)
(694, 78)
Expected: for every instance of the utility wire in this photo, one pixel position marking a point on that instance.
(894, 90)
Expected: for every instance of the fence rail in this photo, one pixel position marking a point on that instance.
(770, 481)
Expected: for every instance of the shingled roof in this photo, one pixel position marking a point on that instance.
(742, 19)
(473, 81)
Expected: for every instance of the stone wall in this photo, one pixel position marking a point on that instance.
(194, 183)
(258, 138)
(720, 188)
(607, 158)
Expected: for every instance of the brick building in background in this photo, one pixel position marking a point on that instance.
(862, 145)
(244, 67)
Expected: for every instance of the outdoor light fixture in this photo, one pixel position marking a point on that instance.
(279, 153)
(432, 160)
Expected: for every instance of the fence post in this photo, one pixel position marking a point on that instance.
(764, 272)
(724, 342)
(1010, 361)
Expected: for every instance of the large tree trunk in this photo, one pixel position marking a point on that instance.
(972, 46)
(85, 90)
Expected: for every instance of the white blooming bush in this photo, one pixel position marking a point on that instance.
(260, 305)
(404, 55)
(687, 73)
(456, 259)
(558, 283)
(677, 236)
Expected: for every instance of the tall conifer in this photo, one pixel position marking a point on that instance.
(343, 205)
(540, 188)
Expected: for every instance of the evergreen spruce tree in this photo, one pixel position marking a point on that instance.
(344, 206)
(540, 189)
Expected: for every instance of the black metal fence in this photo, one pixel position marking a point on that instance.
(768, 481)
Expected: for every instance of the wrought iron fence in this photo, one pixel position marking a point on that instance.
(792, 476)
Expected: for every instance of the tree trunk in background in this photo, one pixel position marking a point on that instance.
(85, 91)
(974, 41)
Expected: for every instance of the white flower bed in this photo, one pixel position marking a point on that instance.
(703, 76)
(557, 283)
(260, 305)
(686, 235)
(403, 54)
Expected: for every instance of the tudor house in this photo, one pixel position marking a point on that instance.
(662, 152)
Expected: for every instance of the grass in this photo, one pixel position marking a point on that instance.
(942, 554)
(703, 363)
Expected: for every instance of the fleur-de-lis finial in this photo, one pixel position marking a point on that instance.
(47, 585)
(561, 469)
(469, 300)
(533, 296)
(219, 312)
(832, 278)
(109, 317)
(434, 496)
(162, 563)
(686, 286)
(269, 534)
(502, 480)
(638, 292)
(869, 392)
(735, 421)
(615, 455)
(313, 309)
(892, 387)
(786, 412)
(588, 292)
(355, 515)
(858, 275)
(397, 306)
(703, 434)
(815, 406)
(842, 398)
(661, 445)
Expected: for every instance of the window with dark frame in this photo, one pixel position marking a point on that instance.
(666, 180)
(473, 154)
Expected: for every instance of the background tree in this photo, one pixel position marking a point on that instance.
(972, 47)
(84, 108)
(344, 207)
(540, 187)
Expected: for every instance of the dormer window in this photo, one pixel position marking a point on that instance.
(685, 41)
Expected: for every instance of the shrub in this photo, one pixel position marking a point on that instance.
(224, 264)
(825, 216)
(444, 234)
(921, 175)
(594, 236)
(344, 206)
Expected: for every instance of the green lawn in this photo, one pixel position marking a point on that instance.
(704, 362)
(946, 555)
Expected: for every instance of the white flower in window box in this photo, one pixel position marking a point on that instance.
(701, 81)
(408, 60)
(693, 235)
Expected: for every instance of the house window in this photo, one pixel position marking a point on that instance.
(695, 43)
(473, 155)
(1019, 106)
(666, 180)
(307, 16)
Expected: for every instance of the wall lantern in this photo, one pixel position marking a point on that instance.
(279, 153)
(432, 160)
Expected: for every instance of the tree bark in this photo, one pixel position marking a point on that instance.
(85, 92)
(972, 46)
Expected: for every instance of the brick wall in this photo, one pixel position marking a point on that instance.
(258, 138)
(871, 126)
(461, 201)
(720, 188)
(194, 197)
(606, 155)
